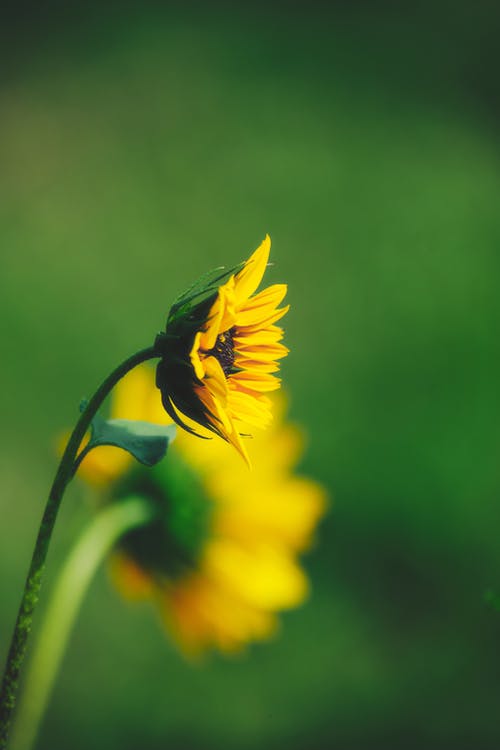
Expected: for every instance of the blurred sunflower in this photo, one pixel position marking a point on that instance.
(220, 350)
(220, 561)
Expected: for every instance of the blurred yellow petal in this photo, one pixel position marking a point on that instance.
(131, 581)
(246, 569)
(129, 400)
(103, 465)
(202, 613)
(286, 514)
(263, 575)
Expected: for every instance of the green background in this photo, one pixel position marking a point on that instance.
(141, 145)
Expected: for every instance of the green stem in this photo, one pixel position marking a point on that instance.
(33, 581)
(92, 547)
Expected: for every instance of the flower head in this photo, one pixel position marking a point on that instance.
(220, 351)
(221, 559)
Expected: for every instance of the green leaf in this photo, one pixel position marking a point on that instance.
(145, 441)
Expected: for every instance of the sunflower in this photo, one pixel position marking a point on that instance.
(221, 558)
(220, 352)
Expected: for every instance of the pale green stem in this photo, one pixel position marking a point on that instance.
(92, 547)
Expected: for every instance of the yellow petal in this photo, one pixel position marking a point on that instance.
(216, 412)
(260, 318)
(246, 408)
(263, 353)
(261, 382)
(248, 337)
(259, 354)
(250, 276)
(236, 441)
(219, 416)
(269, 297)
(258, 365)
(208, 336)
(194, 356)
(221, 316)
(229, 316)
(215, 380)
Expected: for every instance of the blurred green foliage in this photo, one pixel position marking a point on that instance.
(140, 147)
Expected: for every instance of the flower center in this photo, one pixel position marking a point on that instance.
(223, 350)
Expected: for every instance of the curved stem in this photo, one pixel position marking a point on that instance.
(96, 541)
(33, 581)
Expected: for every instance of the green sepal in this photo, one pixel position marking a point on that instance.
(145, 441)
(203, 288)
